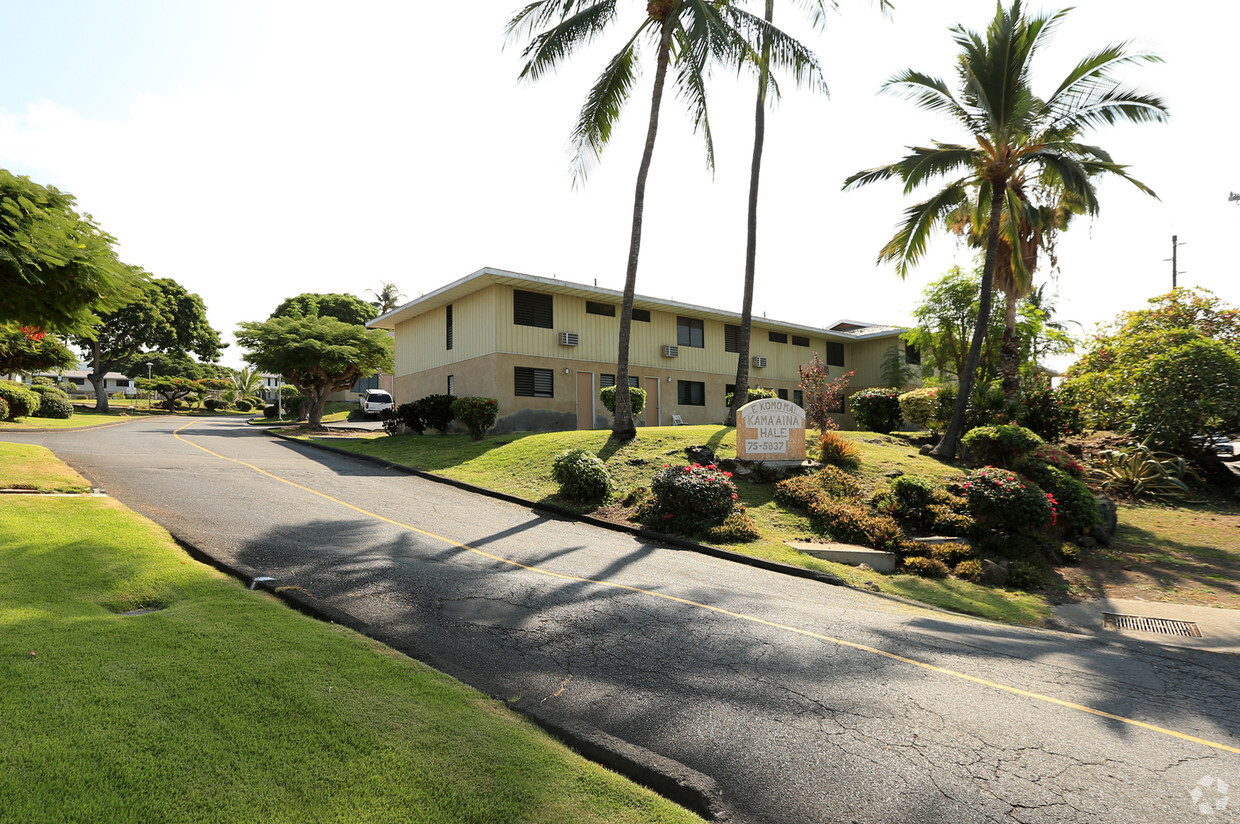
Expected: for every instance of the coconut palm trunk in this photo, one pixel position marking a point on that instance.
(622, 426)
(950, 444)
(741, 394)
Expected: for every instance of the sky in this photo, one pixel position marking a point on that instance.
(257, 149)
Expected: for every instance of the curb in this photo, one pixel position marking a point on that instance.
(671, 779)
(568, 514)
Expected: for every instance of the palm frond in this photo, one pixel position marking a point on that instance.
(927, 92)
(908, 244)
(783, 52)
(547, 48)
(939, 160)
(602, 108)
(692, 52)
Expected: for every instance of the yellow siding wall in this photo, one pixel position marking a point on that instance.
(421, 342)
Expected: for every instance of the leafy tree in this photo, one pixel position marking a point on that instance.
(163, 318)
(247, 383)
(387, 298)
(172, 364)
(344, 308)
(1017, 135)
(821, 394)
(58, 270)
(173, 388)
(317, 355)
(690, 34)
(946, 316)
(26, 351)
(1187, 391)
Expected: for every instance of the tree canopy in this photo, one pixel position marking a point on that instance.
(344, 308)
(58, 270)
(26, 352)
(164, 318)
(318, 355)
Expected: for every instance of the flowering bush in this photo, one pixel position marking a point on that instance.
(1076, 505)
(918, 406)
(1056, 457)
(877, 410)
(1004, 500)
(434, 412)
(477, 414)
(1001, 445)
(1048, 413)
(692, 497)
(582, 476)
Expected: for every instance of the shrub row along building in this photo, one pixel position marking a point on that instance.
(544, 348)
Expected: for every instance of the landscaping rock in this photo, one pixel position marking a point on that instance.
(927, 449)
(1102, 532)
(994, 574)
(1086, 541)
(703, 455)
(895, 473)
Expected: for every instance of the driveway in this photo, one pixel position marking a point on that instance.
(804, 702)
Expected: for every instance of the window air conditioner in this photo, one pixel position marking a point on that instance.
(569, 339)
(671, 351)
(759, 363)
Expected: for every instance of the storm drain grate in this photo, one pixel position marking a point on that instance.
(1163, 626)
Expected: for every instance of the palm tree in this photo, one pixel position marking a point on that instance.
(387, 298)
(247, 382)
(689, 35)
(1016, 134)
(807, 68)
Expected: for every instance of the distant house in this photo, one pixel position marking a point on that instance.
(544, 348)
(77, 382)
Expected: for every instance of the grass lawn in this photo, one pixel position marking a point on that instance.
(81, 417)
(333, 412)
(520, 464)
(226, 706)
(28, 466)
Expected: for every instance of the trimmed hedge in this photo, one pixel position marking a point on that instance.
(582, 476)
(877, 410)
(22, 402)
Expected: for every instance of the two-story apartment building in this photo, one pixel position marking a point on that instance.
(545, 347)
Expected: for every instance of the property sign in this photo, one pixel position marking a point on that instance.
(770, 429)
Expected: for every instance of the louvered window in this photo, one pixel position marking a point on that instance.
(835, 354)
(691, 393)
(533, 383)
(777, 337)
(531, 309)
(798, 397)
(606, 380)
(449, 316)
(798, 340)
(605, 309)
(642, 314)
(731, 338)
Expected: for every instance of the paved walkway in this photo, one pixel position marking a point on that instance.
(804, 702)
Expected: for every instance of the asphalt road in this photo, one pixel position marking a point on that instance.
(805, 702)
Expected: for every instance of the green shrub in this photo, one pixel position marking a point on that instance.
(953, 553)
(876, 410)
(435, 412)
(1139, 471)
(22, 402)
(692, 498)
(1001, 445)
(969, 570)
(989, 406)
(944, 406)
(837, 483)
(53, 403)
(1187, 391)
(918, 406)
(737, 528)
(1025, 575)
(1001, 499)
(836, 450)
(912, 493)
(1048, 413)
(1075, 504)
(214, 404)
(477, 414)
(945, 520)
(1023, 546)
(4, 409)
(407, 414)
(852, 523)
(804, 490)
(582, 476)
(637, 399)
(243, 405)
(925, 567)
(753, 394)
(1056, 457)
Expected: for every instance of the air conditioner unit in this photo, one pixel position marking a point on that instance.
(671, 351)
(569, 339)
(759, 363)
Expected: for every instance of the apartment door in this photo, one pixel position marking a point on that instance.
(585, 400)
(653, 414)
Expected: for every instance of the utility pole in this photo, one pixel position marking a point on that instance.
(1175, 270)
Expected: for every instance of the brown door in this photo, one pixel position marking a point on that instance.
(653, 416)
(585, 400)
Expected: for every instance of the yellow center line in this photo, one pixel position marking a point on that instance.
(719, 610)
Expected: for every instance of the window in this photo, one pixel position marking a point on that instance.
(689, 332)
(595, 308)
(533, 383)
(777, 337)
(729, 389)
(122, 382)
(632, 381)
(782, 394)
(642, 314)
(912, 354)
(449, 315)
(835, 354)
(731, 338)
(363, 384)
(452, 384)
(531, 309)
(606, 380)
(798, 340)
(798, 397)
(691, 393)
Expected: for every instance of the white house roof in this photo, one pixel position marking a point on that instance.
(487, 276)
(82, 373)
